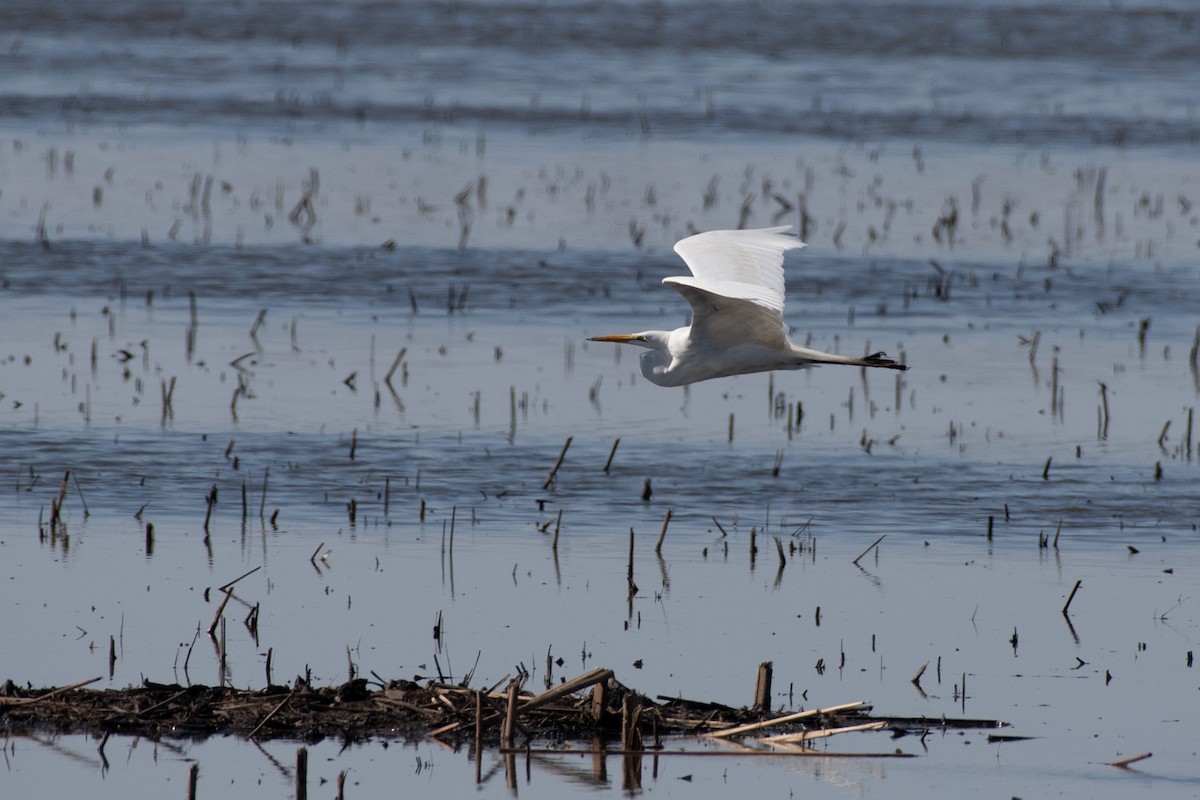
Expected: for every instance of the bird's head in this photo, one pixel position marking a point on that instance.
(652, 340)
(655, 363)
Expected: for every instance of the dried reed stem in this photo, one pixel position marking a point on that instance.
(784, 720)
(557, 463)
(874, 544)
(1071, 597)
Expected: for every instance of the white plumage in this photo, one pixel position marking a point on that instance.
(736, 291)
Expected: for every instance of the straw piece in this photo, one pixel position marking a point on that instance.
(1123, 763)
(805, 736)
(784, 720)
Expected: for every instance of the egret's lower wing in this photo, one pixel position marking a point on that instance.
(724, 321)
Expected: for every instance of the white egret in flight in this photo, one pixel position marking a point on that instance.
(736, 294)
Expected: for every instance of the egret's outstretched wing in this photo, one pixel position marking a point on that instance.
(746, 265)
(721, 323)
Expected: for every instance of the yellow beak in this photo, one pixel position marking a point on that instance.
(624, 338)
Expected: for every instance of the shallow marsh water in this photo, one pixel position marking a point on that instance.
(183, 171)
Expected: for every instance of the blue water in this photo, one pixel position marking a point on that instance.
(1078, 74)
(499, 181)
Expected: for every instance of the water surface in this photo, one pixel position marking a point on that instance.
(221, 227)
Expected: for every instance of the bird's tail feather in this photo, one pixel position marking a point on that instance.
(879, 359)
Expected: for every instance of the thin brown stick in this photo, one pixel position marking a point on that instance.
(1123, 763)
(1071, 596)
(272, 713)
(26, 701)
(557, 463)
(220, 610)
(785, 719)
(662, 534)
(916, 679)
(804, 736)
(396, 363)
(594, 676)
(510, 714)
(741, 752)
(611, 453)
(302, 774)
(874, 544)
(168, 701)
(238, 578)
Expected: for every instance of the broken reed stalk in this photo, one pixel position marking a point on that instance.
(478, 723)
(262, 507)
(1054, 387)
(779, 550)
(1071, 597)
(874, 544)
(86, 513)
(631, 735)
(662, 534)
(25, 701)
(804, 736)
(193, 779)
(220, 610)
(630, 575)
(784, 750)
(510, 714)
(762, 686)
(557, 463)
(272, 712)
(302, 774)
(557, 525)
(611, 453)
(1187, 441)
(784, 720)
(395, 363)
(589, 678)
(246, 574)
(1104, 401)
(916, 679)
(1123, 763)
(209, 501)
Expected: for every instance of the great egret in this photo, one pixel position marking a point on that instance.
(736, 294)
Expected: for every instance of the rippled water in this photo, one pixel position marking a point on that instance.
(1002, 195)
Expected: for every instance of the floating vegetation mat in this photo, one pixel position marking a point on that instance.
(592, 708)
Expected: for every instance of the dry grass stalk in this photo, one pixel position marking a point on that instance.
(804, 736)
(874, 544)
(786, 719)
(1123, 763)
(557, 463)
